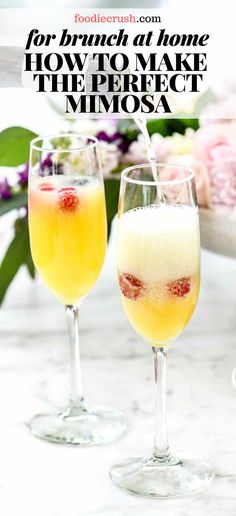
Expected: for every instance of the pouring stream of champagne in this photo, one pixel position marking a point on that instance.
(139, 119)
(141, 122)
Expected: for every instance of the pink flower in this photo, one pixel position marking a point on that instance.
(160, 146)
(223, 180)
(200, 173)
(215, 145)
(210, 137)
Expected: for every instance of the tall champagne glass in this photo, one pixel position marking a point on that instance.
(159, 274)
(67, 221)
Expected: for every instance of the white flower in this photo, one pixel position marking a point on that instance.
(181, 143)
(138, 150)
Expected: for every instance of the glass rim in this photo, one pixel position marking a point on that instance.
(143, 182)
(33, 143)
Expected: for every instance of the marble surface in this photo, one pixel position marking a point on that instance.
(42, 479)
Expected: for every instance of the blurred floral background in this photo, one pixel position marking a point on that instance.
(208, 146)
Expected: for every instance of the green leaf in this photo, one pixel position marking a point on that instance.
(112, 187)
(19, 200)
(13, 259)
(30, 265)
(168, 126)
(14, 146)
(160, 126)
(20, 225)
(28, 258)
(192, 123)
(163, 126)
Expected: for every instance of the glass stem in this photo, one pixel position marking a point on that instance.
(76, 389)
(161, 451)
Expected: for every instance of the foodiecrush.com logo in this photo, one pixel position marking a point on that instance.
(118, 18)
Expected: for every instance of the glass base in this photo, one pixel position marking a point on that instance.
(80, 425)
(151, 478)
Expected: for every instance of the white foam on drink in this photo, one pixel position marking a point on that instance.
(159, 243)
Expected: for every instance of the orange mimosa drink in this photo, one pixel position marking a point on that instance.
(68, 233)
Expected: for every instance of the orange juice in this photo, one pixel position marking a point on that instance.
(67, 220)
(158, 267)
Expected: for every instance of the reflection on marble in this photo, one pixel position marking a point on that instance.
(42, 479)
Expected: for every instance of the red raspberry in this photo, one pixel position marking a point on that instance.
(180, 287)
(131, 287)
(46, 187)
(67, 189)
(68, 201)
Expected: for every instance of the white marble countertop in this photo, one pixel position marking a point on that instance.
(42, 479)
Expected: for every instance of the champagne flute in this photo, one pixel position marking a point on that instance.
(159, 276)
(68, 232)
